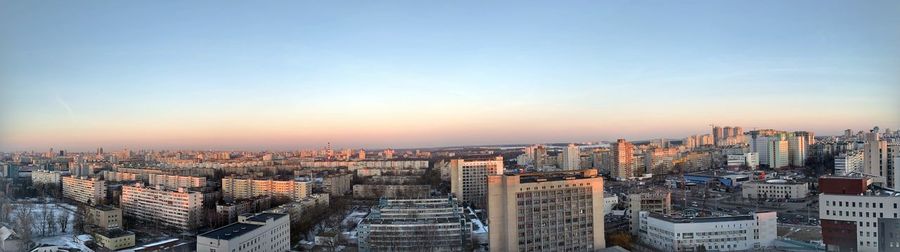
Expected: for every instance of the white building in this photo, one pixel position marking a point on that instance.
(252, 233)
(749, 159)
(848, 162)
(175, 181)
(179, 209)
(777, 153)
(609, 201)
(732, 233)
(468, 178)
(774, 189)
(46, 177)
(570, 158)
(91, 191)
(797, 146)
(415, 225)
(849, 209)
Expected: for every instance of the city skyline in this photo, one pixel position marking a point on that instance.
(294, 75)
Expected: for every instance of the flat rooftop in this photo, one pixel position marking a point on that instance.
(262, 217)
(702, 219)
(231, 231)
(115, 233)
(553, 176)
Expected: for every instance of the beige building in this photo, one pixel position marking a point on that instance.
(368, 191)
(178, 209)
(114, 239)
(115, 176)
(554, 211)
(622, 160)
(174, 181)
(774, 189)
(468, 178)
(252, 233)
(653, 202)
(338, 184)
(91, 191)
(244, 188)
(106, 217)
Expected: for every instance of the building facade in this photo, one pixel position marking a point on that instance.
(850, 208)
(733, 233)
(570, 158)
(774, 189)
(339, 184)
(172, 208)
(175, 181)
(653, 202)
(468, 178)
(252, 233)
(622, 159)
(415, 225)
(46, 177)
(245, 188)
(104, 217)
(848, 162)
(554, 211)
(91, 191)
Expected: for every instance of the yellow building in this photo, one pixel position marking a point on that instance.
(114, 239)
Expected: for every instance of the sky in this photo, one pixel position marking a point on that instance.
(272, 75)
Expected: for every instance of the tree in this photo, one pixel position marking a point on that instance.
(621, 239)
(45, 216)
(63, 221)
(24, 221)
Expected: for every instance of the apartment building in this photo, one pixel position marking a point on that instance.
(622, 159)
(173, 208)
(848, 162)
(46, 177)
(338, 184)
(415, 225)
(753, 232)
(252, 233)
(553, 211)
(116, 176)
(468, 178)
(850, 209)
(175, 181)
(367, 191)
(774, 189)
(654, 202)
(244, 188)
(91, 191)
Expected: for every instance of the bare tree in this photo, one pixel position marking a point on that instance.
(51, 221)
(6, 209)
(45, 217)
(63, 221)
(24, 221)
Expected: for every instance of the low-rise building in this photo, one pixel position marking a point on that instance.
(86, 190)
(732, 233)
(257, 232)
(850, 208)
(233, 209)
(415, 225)
(114, 239)
(609, 201)
(775, 189)
(103, 216)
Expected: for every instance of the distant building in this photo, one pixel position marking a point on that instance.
(622, 159)
(752, 232)
(258, 232)
(46, 177)
(749, 159)
(415, 225)
(609, 201)
(338, 184)
(232, 210)
(175, 181)
(570, 158)
(369, 191)
(244, 188)
(774, 189)
(172, 208)
(468, 178)
(848, 162)
(553, 211)
(86, 190)
(797, 146)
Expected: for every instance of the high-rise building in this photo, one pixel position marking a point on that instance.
(727, 132)
(570, 159)
(244, 188)
(172, 208)
(623, 158)
(875, 157)
(361, 155)
(850, 208)
(468, 178)
(797, 146)
(753, 232)
(91, 191)
(257, 232)
(554, 211)
(848, 162)
(415, 225)
(718, 135)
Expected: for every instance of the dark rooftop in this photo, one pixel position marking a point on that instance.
(554, 176)
(702, 219)
(262, 217)
(115, 233)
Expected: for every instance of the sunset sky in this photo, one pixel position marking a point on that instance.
(283, 75)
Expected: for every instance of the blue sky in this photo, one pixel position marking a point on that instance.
(290, 74)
